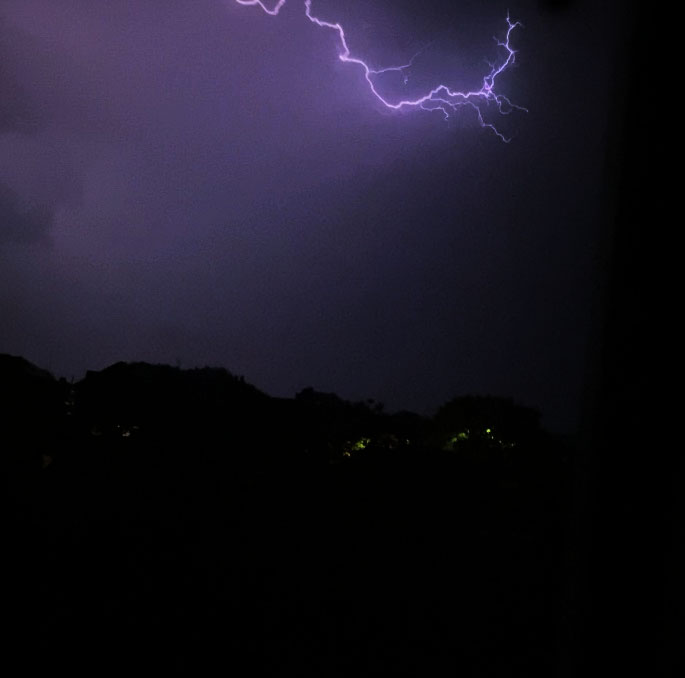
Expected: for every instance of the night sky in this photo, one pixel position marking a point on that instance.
(198, 183)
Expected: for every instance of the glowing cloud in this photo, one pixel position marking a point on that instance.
(439, 98)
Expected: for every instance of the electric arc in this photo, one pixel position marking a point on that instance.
(441, 97)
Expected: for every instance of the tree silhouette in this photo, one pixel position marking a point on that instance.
(486, 421)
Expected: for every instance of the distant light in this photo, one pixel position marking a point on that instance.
(361, 444)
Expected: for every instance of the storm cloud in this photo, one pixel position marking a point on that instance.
(199, 183)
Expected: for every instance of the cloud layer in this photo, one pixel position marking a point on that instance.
(198, 182)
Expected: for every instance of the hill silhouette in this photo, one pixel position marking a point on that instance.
(184, 517)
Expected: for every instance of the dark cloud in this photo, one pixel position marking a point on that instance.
(201, 182)
(21, 223)
(14, 107)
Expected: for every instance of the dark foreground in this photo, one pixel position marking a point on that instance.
(341, 570)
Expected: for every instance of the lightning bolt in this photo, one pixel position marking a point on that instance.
(441, 97)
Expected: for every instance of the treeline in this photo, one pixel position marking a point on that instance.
(208, 414)
(186, 518)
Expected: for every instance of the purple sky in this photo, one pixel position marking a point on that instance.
(198, 182)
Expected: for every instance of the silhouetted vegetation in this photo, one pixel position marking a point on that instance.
(183, 516)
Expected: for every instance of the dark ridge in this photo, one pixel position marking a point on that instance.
(183, 519)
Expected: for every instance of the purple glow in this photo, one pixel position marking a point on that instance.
(441, 97)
